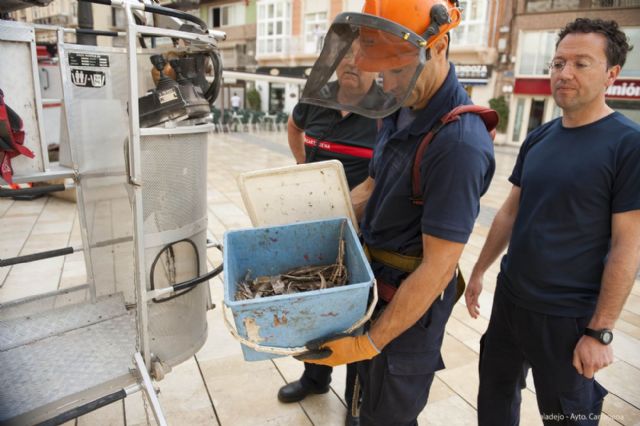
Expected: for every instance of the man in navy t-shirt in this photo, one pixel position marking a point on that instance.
(572, 220)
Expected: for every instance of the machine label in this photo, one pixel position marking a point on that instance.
(167, 96)
(88, 60)
(84, 78)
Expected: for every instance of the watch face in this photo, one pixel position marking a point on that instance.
(606, 337)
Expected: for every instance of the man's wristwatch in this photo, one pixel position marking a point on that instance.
(604, 336)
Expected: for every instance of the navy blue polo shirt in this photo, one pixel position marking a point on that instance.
(328, 125)
(572, 180)
(456, 170)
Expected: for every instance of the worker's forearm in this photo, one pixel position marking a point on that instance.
(296, 143)
(412, 300)
(617, 281)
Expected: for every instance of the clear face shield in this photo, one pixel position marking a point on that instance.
(368, 66)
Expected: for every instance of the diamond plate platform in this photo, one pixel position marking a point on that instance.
(85, 352)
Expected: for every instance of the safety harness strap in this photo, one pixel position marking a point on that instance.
(488, 116)
(404, 263)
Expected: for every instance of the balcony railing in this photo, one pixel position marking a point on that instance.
(548, 5)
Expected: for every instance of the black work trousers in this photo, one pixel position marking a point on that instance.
(517, 336)
(396, 383)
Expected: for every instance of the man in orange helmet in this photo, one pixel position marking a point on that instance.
(420, 201)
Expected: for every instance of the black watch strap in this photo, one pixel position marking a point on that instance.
(604, 336)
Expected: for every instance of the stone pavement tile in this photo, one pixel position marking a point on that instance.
(17, 228)
(215, 226)
(625, 348)
(621, 411)
(461, 331)
(73, 271)
(5, 204)
(461, 314)
(464, 382)
(630, 317)
(109, 415)
(324, 409)
(622, 380)
(43, 242)
(449, 411)
(456, 354)
(137, 411)
(633, 304)
(244, 393)
(439, 391)
(529, 414)
(628, 328)
(220, 343)
(28, 279)
(184, 398)
(53, 226)
(26, 208)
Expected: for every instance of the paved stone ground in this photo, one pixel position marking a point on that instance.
(217, 387)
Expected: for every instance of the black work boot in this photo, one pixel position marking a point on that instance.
(297, 391)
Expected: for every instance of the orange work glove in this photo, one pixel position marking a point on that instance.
(342, 350)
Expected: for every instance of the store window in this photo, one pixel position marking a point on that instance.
(228, 15)
(472, 31)
(276, 97)
(315, 28)
(536, 114)
(274, 26)
(517, 124)
(535, 50)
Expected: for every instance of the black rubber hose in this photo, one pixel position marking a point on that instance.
(35, 256)
(198, 280)
(36, 190)
(162, 11)
(177, 14)
(105, 2)
(84, 409)
(212, 92)
(97, 32)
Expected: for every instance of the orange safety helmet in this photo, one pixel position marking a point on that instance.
(430, 20)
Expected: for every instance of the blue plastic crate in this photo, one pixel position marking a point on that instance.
(293, 320)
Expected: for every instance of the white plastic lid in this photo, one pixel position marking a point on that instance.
(297, 193)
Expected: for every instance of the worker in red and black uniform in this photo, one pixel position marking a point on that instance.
(317, 134)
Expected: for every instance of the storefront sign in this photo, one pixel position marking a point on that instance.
(473, 74)
(624, 89)
(532, 86)
(621, 89)
(473, 71)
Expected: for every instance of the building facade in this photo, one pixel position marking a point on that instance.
(531, 45)
(290, 34)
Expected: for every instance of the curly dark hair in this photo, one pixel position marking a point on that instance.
(617, 42)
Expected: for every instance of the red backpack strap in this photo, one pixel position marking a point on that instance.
(488, 116)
